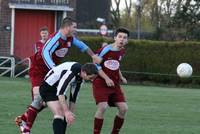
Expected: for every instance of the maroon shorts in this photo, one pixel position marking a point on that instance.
(36, 76)
(103, 93)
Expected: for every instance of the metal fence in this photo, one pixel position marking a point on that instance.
(41, 2)
(9, 67)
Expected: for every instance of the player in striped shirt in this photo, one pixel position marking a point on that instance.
(56, 84)
(52, 54)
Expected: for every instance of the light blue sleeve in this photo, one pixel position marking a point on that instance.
(79, 44)
(49, 47)
(102, 53)
(98, 66)
(105, 50)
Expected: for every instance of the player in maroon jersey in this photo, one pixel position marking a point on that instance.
(44, 34)
(106, 87)
(52, 54)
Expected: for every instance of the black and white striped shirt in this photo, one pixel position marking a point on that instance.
(62, 75)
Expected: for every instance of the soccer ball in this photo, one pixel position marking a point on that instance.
(184, 70)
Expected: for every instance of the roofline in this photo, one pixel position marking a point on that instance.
(41, 7)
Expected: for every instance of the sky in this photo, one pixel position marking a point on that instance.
(122, 4)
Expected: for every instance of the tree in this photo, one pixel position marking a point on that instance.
(128, 8)
(115, 12)
(188, 18)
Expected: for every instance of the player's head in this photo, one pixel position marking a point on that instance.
(121, 37)
(44, 33)
(89, 71)
(68, 26)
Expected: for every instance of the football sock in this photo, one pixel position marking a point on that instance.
(98, 123)
(58, 126)
(118, 122)
(65, 125)
(29, 116)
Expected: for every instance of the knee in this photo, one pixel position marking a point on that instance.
(37, 102)
(58, 113)
(102, 108)
(123, 109)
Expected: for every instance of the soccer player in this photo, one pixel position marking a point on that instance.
(55, 86)
(45, 59)
(44, 34)
(106, 87)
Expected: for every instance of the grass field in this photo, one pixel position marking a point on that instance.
(152, 110)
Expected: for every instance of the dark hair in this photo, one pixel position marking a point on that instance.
(89, 68)
(67, 21)
(122, 30)
(44, 28)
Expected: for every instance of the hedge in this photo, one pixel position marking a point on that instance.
(149, 60)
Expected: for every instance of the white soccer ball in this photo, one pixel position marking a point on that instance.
(184, 70)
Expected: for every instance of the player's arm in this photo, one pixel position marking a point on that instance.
(49, 47)
(108, 81)
(61, 91)
(84, 48)
(68, 114)
(122, 78)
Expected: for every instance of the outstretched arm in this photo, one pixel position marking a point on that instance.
(83, 47)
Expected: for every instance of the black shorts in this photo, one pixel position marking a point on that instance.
(48, 93)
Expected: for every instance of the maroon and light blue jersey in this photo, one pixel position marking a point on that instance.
(54, 50)
(111, 62)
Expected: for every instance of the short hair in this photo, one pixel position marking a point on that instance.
(44, 28)
(89, 68)
(67, 21)
(122, 30)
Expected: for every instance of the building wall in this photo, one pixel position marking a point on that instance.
(89, 10)
(5, 20)
(27, 26)
(72, 3)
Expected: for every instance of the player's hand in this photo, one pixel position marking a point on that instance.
(96, 59)
(69, 116)
(109, 82)
(124, 81)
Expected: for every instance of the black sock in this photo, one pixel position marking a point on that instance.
(58, 126)
(65, 125)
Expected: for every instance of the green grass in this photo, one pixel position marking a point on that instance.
(152, 110)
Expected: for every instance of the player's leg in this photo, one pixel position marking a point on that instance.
(120, 103)
(122, 109)
(48, 94)
(35, 107)
(59, 124)
(30, 115)
(119, 118)
(99, 117)
(101, 94)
